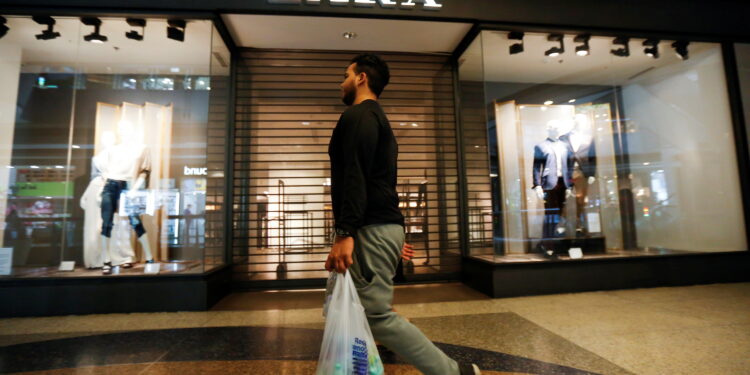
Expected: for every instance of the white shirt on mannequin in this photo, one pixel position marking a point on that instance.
(559, 149)
(124, 162)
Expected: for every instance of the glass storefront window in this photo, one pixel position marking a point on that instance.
(105, 147)
(605, 147)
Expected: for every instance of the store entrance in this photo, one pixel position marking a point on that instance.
(288, 102)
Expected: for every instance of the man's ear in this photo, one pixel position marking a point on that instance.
(361, 78)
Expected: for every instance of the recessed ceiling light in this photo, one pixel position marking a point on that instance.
(625, 50)
(94, 37)
(48, 34)
(681, 49)
(653, 48)
(555, 51)
(349, 35)
(549, 102)
(571, 101)
(517, 47)
(583, 49)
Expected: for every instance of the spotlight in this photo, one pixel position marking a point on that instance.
(555, 51)
(583, 49)
(136, 22)
(625, 50)
(681, 49)
(653, 48)
(176, 30)
(517, 47)
(3, 29)
(48, 34)
(94, 37)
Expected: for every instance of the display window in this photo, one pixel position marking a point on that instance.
(601, 147)
(107, 162)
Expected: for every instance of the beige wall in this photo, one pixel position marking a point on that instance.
(10, 70)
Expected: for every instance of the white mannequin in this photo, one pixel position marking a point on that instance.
(553, 133)
(123, 161)
(580, 135)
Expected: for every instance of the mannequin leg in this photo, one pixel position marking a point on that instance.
(146, 248)
(106, 262)
(554, 205)
(581, 191)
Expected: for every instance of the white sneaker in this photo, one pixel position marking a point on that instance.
(467, 369)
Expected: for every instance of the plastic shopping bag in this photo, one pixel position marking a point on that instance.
(348, 347)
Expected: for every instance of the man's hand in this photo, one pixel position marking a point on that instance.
(340, 257)
(407, 252)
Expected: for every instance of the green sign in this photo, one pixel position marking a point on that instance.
(44, 189)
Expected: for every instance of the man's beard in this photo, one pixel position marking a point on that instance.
(349, 96)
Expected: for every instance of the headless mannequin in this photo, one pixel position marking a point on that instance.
(124, 163)
(553, 134)
(552, 161)
(582, 145)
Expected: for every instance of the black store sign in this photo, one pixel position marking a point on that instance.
(400, 4)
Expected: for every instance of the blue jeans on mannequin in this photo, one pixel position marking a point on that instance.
(110, 201)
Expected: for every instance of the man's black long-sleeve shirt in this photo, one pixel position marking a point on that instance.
(364, 157)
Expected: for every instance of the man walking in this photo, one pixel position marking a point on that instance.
(368, 222)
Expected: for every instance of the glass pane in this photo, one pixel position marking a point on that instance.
(212, 224)
(36, 111)
(475, 146)
(111, 140)
(609, 151)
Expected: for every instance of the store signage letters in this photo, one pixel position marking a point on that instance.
(195, 171)
(402, 4)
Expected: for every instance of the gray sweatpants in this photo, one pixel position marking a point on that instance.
(377, 250)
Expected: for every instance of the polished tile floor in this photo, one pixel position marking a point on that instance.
(702, 329)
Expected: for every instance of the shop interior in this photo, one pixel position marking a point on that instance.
(94, 100)
(604, 147)
(289, 100)
(574, 146)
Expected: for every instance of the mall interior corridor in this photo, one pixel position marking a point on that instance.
(703, 329)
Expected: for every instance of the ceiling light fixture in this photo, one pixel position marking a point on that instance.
(583, 49)
(516, 47)
(94, 37)
(3, 28)
(555, 51)
(549, 102)
(681, 49)
(349, 35)
(136, 22)
(653, 48)
(48, 34)
(625, 50)
(176, 30)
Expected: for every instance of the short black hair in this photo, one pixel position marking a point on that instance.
(376, 69)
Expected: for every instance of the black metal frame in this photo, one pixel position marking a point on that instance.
(172, 9)
(196, 291)
(733, 85)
